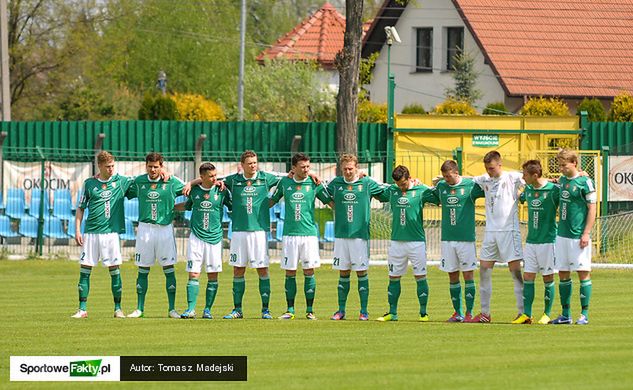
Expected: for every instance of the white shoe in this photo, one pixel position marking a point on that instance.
(174, 314)
(80, 314)
(119, 314)
(136, 314)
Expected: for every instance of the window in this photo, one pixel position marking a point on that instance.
(454, 44)
(424, 50)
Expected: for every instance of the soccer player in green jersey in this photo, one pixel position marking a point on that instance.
(155, 236)
(206, 201)
(300, 236)
(457, 196)
(103, 196)
(408, 242)
(573, 244)
(251, 222)
(352, 205)
(542, 199)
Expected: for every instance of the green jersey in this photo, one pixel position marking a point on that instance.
(207, 206)
(352, 206)
(458, 209)
(542, 204)
(250, 201)
(406, 207)
(104, 200)
(156, 198)
(575, 193)
(299, 197)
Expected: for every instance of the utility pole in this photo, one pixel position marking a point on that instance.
(5, 93)
(240, 83)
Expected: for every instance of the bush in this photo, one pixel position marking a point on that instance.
(497, 108)
(193, 107)
(545, 107)
(372, 112)
(622, 108)
(451, 106)
(594, 108)
(414, 108)
(157, 107)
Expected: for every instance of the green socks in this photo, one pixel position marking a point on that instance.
(309, 287)
(141, 287)
(564, 288)
(343, 291)
(393, 294)
(193, 287)
(170, 286)
(264, 291)
(83, 287)
(423, 294)
(239, 285)
(212, 290)
(470, 291)
(117, 287)
(456, 297)
(585, 296)
(363, 292)
(550, 291)
(291, 292)
(528, 297)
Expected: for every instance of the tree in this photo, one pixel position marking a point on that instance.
(545, 107)
(622, 108)
(348, 65)
(465, 78)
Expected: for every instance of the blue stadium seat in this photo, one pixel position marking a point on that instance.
(5, 227)
(131, 209)
(62, 208)
(273, 216)
(180, 199)
(15, 193)
(15, 208)
(129, 234)
(188, 215)
(229, 232)
(63, 193)
(53, 228)
(1, 201)
(34, 207)
(280, 230)
(225, 215)
(28, 226)
(328, 234)
(80, 192)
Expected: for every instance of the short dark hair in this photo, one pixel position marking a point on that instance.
(400, 172)
(449, 165)
(154, 157)
(492, 156)
(299, 157)
(532, 167)
(206, 167)
(247, 154)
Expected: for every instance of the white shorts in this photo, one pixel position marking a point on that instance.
(304, 248)
(569, 256)
(249, 248)
(200, 252)
(501, 247)
(351, 254)
(458, 256)
(540, 258)
(106, 247)
(155, 242)
(401, 252)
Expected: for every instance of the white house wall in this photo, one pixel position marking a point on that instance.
(428, 88)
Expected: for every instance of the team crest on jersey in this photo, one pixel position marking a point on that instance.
(298, 188)
(104, 186)
(349, 188)
(206, 196)
(536, 195)
(153, 186)
(567, 185)
(248, 183)
(452, 192)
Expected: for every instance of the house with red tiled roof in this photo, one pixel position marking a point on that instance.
(569, 49)
(317, 38)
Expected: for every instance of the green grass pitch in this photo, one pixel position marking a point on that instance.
(39, 296)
